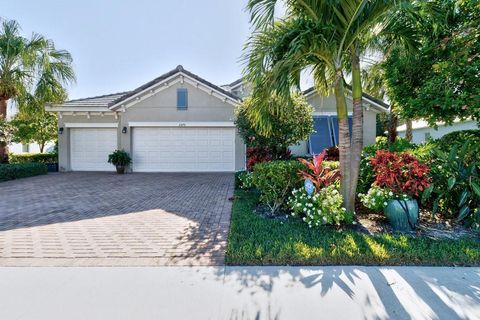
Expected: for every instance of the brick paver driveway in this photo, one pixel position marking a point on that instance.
(108, 219)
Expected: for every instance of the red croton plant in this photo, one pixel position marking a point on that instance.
(320, 175)
(401, 173)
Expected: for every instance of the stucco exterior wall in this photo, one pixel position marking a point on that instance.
(421, 134)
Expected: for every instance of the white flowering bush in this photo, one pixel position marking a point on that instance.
(377, 198)
(323, 207)
(246, 181)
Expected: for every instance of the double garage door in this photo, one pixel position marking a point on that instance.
(183, 149)
(157, 149)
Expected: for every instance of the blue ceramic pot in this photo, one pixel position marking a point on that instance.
(402, 214)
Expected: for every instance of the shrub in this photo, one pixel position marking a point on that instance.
(366, 177)
(320, 175)
(275, 180)
(323, 207)
(257, 155)
(377, 198)
(455, 184)
(238, 182)
(400, 173)
(21, 170)
(381, 143)
(287, 128)
(243, 180)
(332, 154)
(33, 158)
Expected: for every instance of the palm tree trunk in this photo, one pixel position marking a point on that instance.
(344, 139)
(409, 131)
(392, 126)
(3, 144)
(357, 129)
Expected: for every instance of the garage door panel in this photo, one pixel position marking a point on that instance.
(183, 149)
(90, 147)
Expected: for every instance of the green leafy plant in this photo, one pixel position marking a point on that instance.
(245, 180)
(455, 187)
(321, 208)
(286, 129)
(119, 158)
(21, 170)
(275, 181)
(33, 158)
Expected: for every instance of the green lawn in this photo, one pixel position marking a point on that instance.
(255, 240)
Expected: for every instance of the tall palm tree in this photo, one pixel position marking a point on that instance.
(325, 36)
(31, 65)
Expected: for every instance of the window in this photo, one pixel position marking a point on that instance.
(182, 98)
(325, 133)
(25, 148)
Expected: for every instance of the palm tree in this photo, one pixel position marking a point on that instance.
(324, 36)
(30, 66)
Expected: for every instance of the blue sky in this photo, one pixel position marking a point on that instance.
(119, 45)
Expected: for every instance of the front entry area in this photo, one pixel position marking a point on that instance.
(183, 149)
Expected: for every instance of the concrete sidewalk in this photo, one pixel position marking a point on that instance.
(240, 293)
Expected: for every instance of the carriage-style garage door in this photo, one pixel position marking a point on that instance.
(177, 149)
(90, 147)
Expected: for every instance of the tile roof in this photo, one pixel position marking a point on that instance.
(97, 101)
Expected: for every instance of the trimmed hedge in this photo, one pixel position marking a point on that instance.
(33, 158)
(21, 170)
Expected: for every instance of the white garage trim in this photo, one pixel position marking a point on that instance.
(91, 125)
(181, 124)
(183, 149)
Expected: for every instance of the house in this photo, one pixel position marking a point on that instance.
(20, 148)
(421, 131)
(176, 122)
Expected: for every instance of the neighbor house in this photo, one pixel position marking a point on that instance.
(178, 122)
(421, 131)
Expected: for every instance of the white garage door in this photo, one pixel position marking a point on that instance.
(183, 149)
(90, 147)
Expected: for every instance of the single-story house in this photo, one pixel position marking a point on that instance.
(421, 131)
(177, 122)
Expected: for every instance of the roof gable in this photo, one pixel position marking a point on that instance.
(179, 74)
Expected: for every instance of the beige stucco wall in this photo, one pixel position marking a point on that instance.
(160, 107)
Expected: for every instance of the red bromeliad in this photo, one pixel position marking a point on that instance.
(317, 173)
(401, 173)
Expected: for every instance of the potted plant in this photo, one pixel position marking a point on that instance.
(399, 180)
(120, 159)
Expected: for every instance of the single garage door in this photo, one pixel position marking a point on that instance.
(183, 149)
(90, 147)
